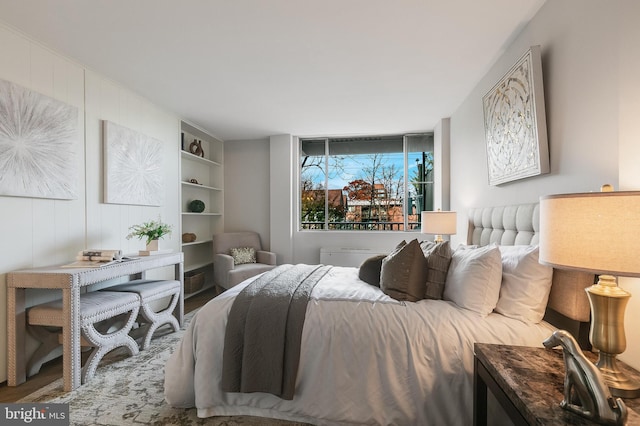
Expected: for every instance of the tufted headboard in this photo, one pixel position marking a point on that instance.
(504, 225)
(568, 306)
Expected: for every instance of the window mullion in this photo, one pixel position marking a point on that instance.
(405, 206)
(326, 184)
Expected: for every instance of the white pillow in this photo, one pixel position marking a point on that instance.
(473, 279)
(525, 284)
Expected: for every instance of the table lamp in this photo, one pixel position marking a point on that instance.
(439, 223)
(597, 232)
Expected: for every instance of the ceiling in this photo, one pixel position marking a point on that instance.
(248, 69)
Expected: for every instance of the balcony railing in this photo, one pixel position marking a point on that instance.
(361, 226)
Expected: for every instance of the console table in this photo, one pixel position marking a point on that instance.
(70, 281)
(528, 383)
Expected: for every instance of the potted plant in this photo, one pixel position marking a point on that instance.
(150, 231)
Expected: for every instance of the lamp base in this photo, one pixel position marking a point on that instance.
(619, 383)
(606, 334)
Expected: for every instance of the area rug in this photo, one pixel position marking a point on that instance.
(130, 391)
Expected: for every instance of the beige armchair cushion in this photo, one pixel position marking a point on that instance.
(225, 273)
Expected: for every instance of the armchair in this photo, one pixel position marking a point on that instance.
(225, 273)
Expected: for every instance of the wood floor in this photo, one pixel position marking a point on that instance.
(52, 370)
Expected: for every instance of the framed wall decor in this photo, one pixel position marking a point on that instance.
(38, 145)
(515, 122)
(132, 167)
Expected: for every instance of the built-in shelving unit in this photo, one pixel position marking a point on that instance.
(202, 178)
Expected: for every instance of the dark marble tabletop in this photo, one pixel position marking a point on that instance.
(533, 379)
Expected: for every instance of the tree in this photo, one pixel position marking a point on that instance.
(385, 183)
(312, 203)
(420, 180)
(359, 190)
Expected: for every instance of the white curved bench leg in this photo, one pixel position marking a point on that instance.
(158, 319)
(105, 343)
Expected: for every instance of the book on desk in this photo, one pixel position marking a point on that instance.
(97, 263)
(93, 258)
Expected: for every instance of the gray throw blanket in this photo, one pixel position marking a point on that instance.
(264, 330)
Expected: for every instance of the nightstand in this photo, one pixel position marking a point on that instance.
(528, 383)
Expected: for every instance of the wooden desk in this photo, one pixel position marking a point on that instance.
(529, 385)
(70, 281)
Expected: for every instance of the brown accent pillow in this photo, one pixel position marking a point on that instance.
(438, 257)
(369, 271)
(404, 272)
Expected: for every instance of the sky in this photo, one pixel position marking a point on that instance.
(353, 169)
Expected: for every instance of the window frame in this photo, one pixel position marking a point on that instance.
(406, 180)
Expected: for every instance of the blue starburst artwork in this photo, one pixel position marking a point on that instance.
(38, 144)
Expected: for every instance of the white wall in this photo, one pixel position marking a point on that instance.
(281, 202)
(629, 151)
(108, 224)
(442, 165)
(590, 66)
(246, 193)
(580, 84)
(38, 232)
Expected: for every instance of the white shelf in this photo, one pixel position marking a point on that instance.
(205, 287)
(198, 185)
(208, 171)
(194, 266)
(192, 157)
(194, 243)
(200, 214)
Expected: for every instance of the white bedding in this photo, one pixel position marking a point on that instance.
(365, 359)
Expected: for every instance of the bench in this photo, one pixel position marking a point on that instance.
(148, 292)
(98, 314)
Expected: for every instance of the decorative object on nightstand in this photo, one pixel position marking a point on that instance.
(196, 206)
(597, 232)
(585, 391)
(438, 223)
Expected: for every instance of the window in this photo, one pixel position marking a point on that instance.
(379, 183)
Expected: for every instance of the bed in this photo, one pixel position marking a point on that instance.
(367, 358)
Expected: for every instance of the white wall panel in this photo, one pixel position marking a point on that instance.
(38, 232)
(108, 224)
(281, 187)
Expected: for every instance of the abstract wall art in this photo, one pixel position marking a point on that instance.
(38, 145)
(515, 122)
(133, 167)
